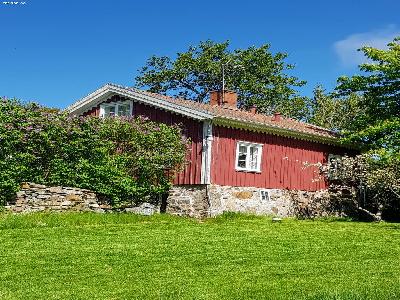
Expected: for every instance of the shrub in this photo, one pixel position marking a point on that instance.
(376, 178)
(123, 159)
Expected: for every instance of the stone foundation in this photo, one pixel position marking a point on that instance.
(213, 200)
(188, 200)
(248, 200)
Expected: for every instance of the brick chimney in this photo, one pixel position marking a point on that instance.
(277, 117)
(228, 99)
(253, 109)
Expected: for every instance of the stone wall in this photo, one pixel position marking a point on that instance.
(188, 200)
(213, 200)
(36, 197)
(197, 201)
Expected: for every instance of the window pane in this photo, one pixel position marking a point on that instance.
(264, 195)
(109, 110)
(242, 156)
(242, 149)
(253, 157)
(123, 110)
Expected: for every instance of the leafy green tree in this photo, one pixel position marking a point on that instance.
(259, 77)
(378, 128)
(335, 113)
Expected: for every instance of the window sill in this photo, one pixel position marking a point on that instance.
(248, 171)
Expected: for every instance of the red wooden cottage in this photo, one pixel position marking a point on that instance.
(239, 160)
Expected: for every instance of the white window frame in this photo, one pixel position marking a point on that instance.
(268, 196)
(115, 104)
(248, 145)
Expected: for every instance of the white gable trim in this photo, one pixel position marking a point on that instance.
(108, 90)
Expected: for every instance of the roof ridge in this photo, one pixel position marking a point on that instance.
(227, 115)
(226, 108)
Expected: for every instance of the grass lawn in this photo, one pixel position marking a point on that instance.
(125, 256)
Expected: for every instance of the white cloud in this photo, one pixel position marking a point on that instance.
(346, 49)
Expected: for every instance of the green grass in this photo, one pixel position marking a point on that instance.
(125, 256)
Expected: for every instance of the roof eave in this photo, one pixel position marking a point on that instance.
(292, 133)
(107, 90)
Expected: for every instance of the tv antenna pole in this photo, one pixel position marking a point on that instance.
(223, 83)
(223, 65)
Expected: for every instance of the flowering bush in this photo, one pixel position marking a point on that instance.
(123, 159)
(376, 178)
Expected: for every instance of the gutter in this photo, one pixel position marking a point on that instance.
(292, 133)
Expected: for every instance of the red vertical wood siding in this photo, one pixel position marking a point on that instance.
(95, 112)
(191, 128)
(283, 161)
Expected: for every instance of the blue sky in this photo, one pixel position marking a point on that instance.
(55, 52)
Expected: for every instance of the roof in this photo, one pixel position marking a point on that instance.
(222, 115)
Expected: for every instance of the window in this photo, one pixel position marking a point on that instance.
(248, 157)
(116, 109)
(109, 110)
(124, 109)
(264, 195)
(334, 164)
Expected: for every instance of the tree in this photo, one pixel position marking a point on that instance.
(378, 128)
(334, 113)
(257, 75)
(376, 183)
